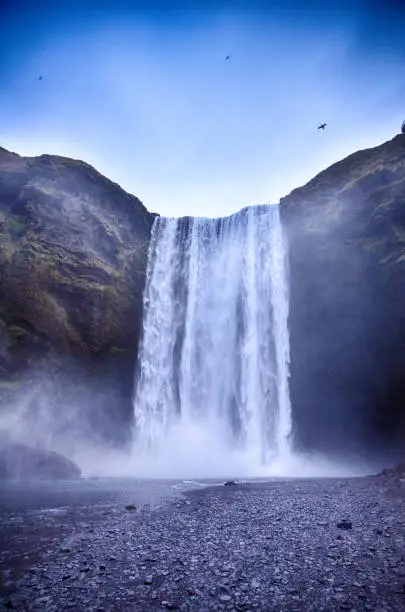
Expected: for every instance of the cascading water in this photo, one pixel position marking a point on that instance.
(212, 373)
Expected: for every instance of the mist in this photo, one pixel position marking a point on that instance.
(190, 451)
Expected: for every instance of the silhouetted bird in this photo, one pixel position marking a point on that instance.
(40, 78)
(228, 57)
(322, 126)
(403, 127)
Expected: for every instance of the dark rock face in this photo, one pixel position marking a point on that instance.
(346, 233)
(396, 473)
(73, 251)
(18, 461)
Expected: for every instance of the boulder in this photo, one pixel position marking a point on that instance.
(20, 462)
(397, 472)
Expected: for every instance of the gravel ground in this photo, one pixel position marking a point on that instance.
(260, 546)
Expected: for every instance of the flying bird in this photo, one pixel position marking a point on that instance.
(228, 57)
(322, 126)
(40, 78)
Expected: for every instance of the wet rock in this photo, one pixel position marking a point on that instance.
(222, 556)
(8, 587)
(95, 248)
(358, 203)
(168, 605)
(394, 473)
(230, 483)
(18, 461)
(131, 507)
(225, 597)
(345, 524)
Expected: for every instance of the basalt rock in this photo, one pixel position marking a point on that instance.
(20, 462)
(73, 250)
(346, 234)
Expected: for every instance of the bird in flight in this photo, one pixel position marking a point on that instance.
(40, 78)
(228, 57)
(322, 126)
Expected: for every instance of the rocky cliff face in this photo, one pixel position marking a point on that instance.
(73, 249)
(346, 232)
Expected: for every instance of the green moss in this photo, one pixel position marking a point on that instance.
(61, 289)
(65, 264)
(9, 385)
(16, 225)
(115, 350)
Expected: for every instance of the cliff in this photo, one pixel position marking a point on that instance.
(73, 249)
(346, 233)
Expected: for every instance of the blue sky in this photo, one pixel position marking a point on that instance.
(141, 90)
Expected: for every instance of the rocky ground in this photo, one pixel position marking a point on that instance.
(296, 545)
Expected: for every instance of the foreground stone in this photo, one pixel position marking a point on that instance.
(396, 473)
(18, 461)
(264, 547)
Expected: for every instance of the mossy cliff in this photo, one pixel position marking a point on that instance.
(73, 249)
(346, 233)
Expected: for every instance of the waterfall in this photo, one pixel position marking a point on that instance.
(213, 364)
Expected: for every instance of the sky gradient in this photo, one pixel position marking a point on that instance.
(141, 90)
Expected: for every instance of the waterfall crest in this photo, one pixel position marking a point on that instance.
(214, 353)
